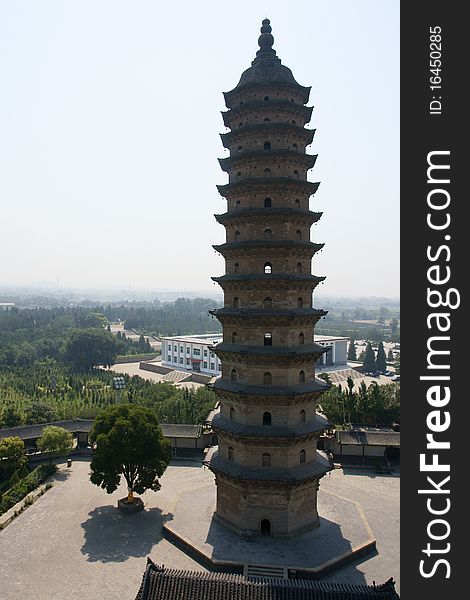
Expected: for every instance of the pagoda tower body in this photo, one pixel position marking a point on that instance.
(267, 466)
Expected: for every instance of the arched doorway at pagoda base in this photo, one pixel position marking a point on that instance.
(265, 527)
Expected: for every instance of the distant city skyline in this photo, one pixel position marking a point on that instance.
(110, 121)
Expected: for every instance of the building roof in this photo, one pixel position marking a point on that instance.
(159, 583)
(173, 430)
(28, 432)
(366, 437)
(205, 339)
(31, 432)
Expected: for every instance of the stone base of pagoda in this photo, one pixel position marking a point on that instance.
(260, 508)
(343, 535)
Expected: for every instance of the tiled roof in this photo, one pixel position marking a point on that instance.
(172, 430)
(369, 438)
(159, 583)
(28, 432)
(31, 432)
(316, 468)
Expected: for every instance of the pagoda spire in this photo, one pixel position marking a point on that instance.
(265, 43)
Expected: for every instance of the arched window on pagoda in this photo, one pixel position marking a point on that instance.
(267, 203)
(239, 175)
(293, 122)
(267, 172)
(267, 145)
(267, 119)
(302, 416)
(235, 302)
(300, 303)
(268, 268)
(298, 267)
(268, 339)
(233, 375)
(230, 453)
(298, 234)
(296, 173)
(268, 303)
(302, 456)
(237, 235)
(266, 459)
(266, 98)
(302, 377)
(301, 339)
(295, 147)
(232, 413)
(237, 204)
(297, 203)
(267, 379)
(267, 418)
(268, 234)
(234, 337)
(236, 267)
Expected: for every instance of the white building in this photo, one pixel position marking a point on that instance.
(192, 353)
(337, 350)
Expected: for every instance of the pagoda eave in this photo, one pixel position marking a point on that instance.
(311, 470)
(267, 184)
(230, 137)
(303, 112)
(297, 215)
(307, 161)
(300, 389)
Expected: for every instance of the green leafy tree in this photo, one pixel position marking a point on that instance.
(128, 441)
(12, 455)
(397, 364)
(56, 440)
(41, 412)
(369, 365)
(381, 359)
(352, 350)
(89, 348)
(11, 417)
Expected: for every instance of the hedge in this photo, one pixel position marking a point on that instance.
(26, 485)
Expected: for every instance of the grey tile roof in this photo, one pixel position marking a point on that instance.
(172, 430)
(159, 583)
(369, 438)
(27, 432)
(284, 431)
(316, 468)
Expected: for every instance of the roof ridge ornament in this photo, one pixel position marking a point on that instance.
(265, 42)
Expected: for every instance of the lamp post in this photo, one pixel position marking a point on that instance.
(118, 385)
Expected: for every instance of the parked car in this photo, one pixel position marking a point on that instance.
(395, 378)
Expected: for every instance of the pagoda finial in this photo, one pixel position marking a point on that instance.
(265, 42)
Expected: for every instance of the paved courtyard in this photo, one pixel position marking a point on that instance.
(72, 542)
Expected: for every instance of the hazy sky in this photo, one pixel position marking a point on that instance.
(109, 137)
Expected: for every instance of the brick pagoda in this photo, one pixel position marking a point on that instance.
(267, 466)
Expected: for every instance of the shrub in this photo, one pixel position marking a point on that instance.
(26, 485)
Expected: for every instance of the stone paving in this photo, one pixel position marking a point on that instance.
(72, 542)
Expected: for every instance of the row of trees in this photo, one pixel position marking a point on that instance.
(371, 362)
(49, 392)
(373, 405)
